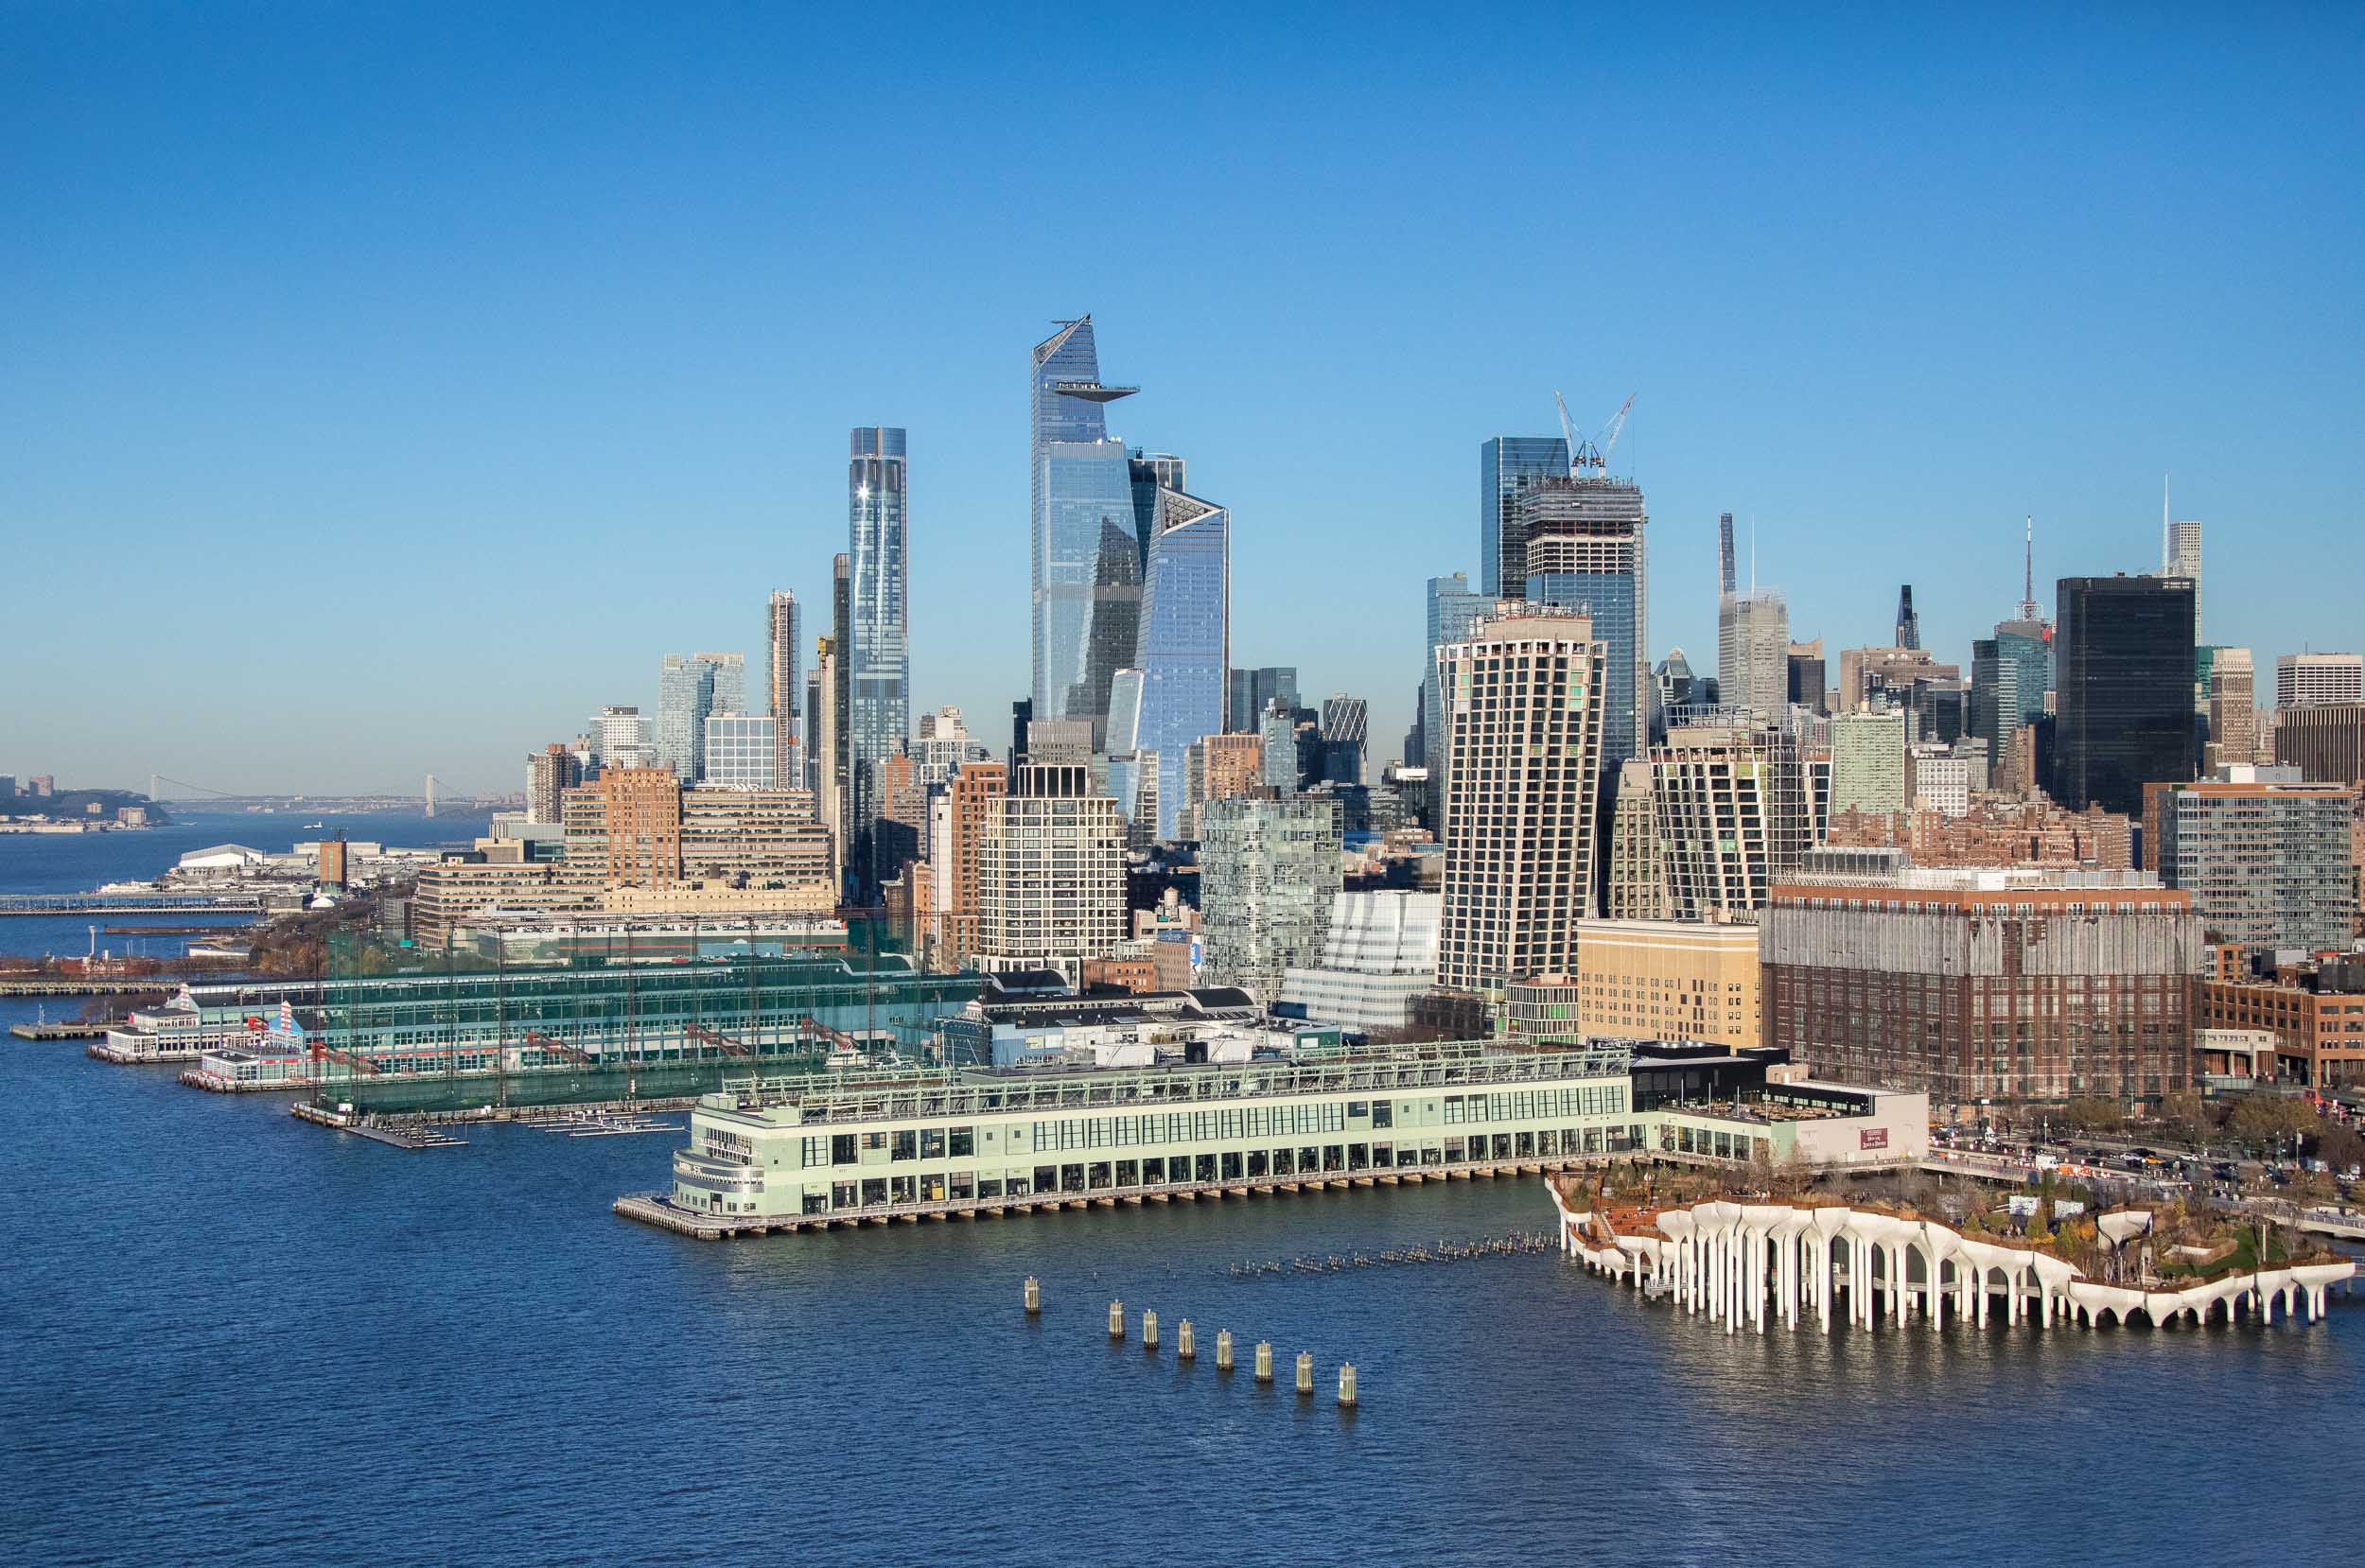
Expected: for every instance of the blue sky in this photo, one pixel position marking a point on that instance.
(384, 388)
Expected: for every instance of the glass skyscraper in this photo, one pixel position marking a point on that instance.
(2123, 691)
(878, 654)
(688, 691)
(1185, 640)
(2010, 673)
(1453, 609)
(1505, 465)
(1584, 548)
(1083, 485)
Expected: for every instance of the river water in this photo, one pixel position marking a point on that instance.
(232, 1338)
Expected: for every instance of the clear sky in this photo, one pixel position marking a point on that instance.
(383, 388)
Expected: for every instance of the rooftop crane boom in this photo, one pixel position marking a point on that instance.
(1590, 458)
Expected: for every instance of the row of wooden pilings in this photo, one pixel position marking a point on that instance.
(1186, 1347)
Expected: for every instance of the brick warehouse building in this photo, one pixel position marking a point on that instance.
(1985, 985)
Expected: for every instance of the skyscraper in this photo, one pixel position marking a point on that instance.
(1732, 811)
(1807, 682)
(1725, 580)
(839, 766)
(1908, 623)
(783, 626)
(1523, 722)
(1453, 609)
(2233, 711)
(2124, 690)
(1083, 501)
(2315, 680)
(1346, 725)
(2180, 555)
(1585, 547)
(550, 773)
(1505, 465)
(2010, 673)
(1753, 650)
(1252, 691)
(688, 691)
(1185, 649)
(878, 650)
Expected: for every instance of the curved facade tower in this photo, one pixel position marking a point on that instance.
(1082, 487)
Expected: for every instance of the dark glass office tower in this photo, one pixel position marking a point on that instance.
(2124, 690)
(1506, 465)
(1908, 623)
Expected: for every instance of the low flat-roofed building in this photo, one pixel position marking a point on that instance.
(1652, 979)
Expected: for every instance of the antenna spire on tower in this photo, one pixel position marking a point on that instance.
(2029, 606)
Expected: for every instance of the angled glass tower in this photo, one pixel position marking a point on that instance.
(1506, 465)
(878, 653)
(1185, 638)
(1083, 487)
(1453, 609)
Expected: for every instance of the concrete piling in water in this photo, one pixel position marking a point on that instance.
(1034, 1296)
(1264, 1362)
(1183, 1348)
(1305, 1373)
(1117, 1320)
(1223, 1350)
(1150, 1330)
(1346, 1385)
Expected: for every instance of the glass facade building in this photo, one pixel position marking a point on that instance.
(1083, 494)
(1268, 870)
(1506, 463)
(1185, 649)
(1585, 544)
(2010, 673)
(739, 754)
(688, 691)
(1255, 691)
(1453, 609)
(2124, 699)
(878, 653)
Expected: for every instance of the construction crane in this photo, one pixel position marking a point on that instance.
(1590, 458)
(550, 1045)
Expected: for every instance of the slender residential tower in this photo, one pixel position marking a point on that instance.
(788, 691)
(878, 647)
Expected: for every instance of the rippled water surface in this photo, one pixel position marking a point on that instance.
(233, 1338)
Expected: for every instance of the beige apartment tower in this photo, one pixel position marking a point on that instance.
(1522, 696)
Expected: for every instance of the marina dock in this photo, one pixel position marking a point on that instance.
(59, 1031)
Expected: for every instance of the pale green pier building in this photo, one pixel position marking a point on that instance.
(768, 1155)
